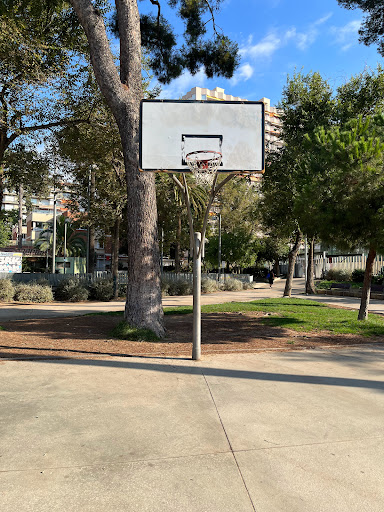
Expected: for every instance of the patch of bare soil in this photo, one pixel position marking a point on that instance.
(89, 336)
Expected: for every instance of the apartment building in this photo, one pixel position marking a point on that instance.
(272, 114)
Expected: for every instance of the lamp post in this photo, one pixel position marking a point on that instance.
(219, 268)
(54, 234)
(65, 243)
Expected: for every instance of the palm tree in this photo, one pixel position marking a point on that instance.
(76, 245)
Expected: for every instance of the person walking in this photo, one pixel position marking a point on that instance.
(270, 277)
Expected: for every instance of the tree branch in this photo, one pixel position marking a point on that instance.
(130, 45)
(102, 59)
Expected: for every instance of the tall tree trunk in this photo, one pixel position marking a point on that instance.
(123, 94)
(310, 282)
(115, 257)
(291, 263)
(20, 219)
(178, 243)
(92, 254)
(366, 292)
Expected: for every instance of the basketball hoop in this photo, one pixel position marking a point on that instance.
(204, 165)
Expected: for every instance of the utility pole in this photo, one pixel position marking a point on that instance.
(65, 244)
(20, 219)
(54, 233)
(219, 268)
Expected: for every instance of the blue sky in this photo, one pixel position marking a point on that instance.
(278, 36)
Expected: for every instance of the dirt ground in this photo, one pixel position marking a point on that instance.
(89, 336)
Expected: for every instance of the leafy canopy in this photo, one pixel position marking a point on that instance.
(168, 58)
(372, 28)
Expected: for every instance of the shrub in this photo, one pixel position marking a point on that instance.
(165, 284)
(338, 275)
(7, 290)
(248, 286)
(358, 275)
(232, 285)
(101, 289)
(209, 285)
(180, 287)
(122, 290)
(32, 292)
(71, 290)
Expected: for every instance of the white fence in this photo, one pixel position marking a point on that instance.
(186, 276)
(55, 279)
(349, 262)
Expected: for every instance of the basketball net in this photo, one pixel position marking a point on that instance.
(203, 165)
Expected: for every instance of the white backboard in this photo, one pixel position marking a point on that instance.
(171, 129)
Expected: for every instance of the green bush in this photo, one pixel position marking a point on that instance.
(71, 290)
(232, 285)
(358, 275)
(165, 284)
(209, 285)
(31, 292)
(180, 287)
(122, 290)
(338, 275)
(101, 289)
(7, 290)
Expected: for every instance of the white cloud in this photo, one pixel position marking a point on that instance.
(183, 84)
(243, 74)
(276, 39)
(322, 20)
(268, 45)
(347, 35)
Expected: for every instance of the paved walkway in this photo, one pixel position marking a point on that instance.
(16, 311)
(268, 432)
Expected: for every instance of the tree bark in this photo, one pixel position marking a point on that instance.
(310, 281)
(291, 263)
(123, 94)
(366, 292)
(115, 257)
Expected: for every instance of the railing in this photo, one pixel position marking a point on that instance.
(55, 279)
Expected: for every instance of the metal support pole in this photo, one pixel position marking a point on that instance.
(162, 251)
(305, 259)
(65, 244)
(196, 349)
(219, 268)
(54, 234)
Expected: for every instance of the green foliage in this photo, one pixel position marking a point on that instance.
(71, 290)
(7, 221)
(338, 275)
(372, 29)
(347, 192)
(232, 285)
(124, 331)
(218, 55)
(306, 104)
(358, 275)
(32, 292)
(76, 245)
(238, 248)
(7, 290)
(101, 289)
(209, 285)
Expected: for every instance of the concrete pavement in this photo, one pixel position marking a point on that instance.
(268, 432)
(15, 311)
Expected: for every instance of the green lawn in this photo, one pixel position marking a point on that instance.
(299, 315)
